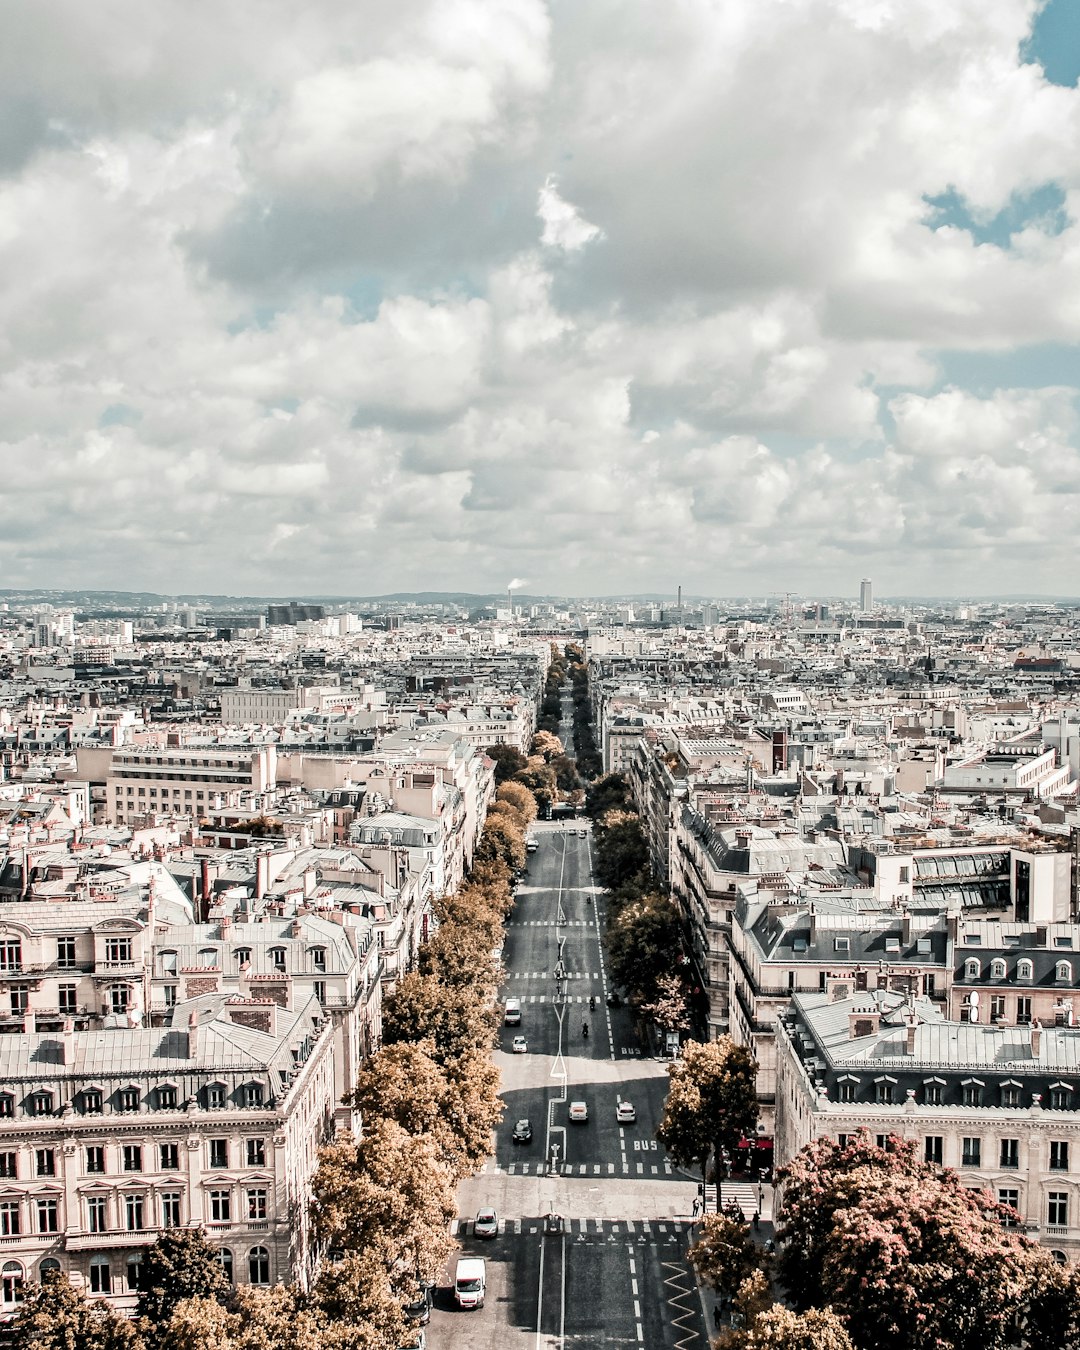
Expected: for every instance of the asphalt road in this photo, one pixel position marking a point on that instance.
(615, 1274)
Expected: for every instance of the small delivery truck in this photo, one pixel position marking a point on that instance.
(470, 1282)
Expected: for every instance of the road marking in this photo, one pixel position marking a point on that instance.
(610, 1167)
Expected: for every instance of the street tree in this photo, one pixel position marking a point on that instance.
(610, 793)
(54, 1315)
(725, 1253)
(620, 851)
(903, 1250)
(422, 1007)
(503, 839)
(508, 761)
(390, 1194)
(539, 778)
(643, 941)
(545, 745)
(359, 1305)
(779, 1328)
(181, 1264)
(520, 798)
(460, 957)
(566, 773)
(472, 907)
(711, 1104)
(670, 1010)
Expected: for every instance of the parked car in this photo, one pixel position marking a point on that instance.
(486, 1224)
(523, 1131)
(417, 1340)
(420, 1310)
(579, 1112)
(583, 834)
(520, 1045)
(625, 1113)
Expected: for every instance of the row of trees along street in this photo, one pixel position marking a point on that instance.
(878, 1250)
(382, 1204)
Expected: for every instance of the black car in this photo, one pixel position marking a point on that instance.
(420, 1311)
(523, 1131)
(613, 1000)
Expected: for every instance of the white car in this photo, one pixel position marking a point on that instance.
(520, 1046)
(579, 1112)
(486, 1224)
(625, 1113)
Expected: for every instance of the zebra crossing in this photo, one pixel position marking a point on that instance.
(547, 975)
(745, 1194)
(603, 1230)
(626, 1169)
(549, 923)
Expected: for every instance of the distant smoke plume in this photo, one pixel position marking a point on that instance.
(516, 584)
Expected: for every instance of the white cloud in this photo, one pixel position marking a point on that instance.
(563, 226)
(300, 255)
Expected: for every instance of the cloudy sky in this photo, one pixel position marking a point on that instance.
(607, 295)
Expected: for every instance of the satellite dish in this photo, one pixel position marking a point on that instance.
(973, 998)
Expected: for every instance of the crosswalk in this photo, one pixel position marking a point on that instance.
(604, 1230)
(548, 975)
(626, 1169)
(550, 923)
(745, 1193)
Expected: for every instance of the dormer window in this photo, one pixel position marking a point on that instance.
(1063, 972)
(1024, 970)
(127, 1099)
(167, 962)
(972, 968)
(841, 944)
(207, 958)
(253, 1094)
(242, 956)
(277, 958)
(318, 959)
(997, 969)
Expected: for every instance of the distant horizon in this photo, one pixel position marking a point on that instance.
(463, 598)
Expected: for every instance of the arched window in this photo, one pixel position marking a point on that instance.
(1064, 972)
(11, 1283)
(100, 1275)
(997, 969)
(207, 957)
(50, 1266)
(242, 956)
(1024, 970)
(259, 1265)
(318, 959)
(1060, 1257)
(972, 968)
(167, 963)
(277, 957)
(225, 1257)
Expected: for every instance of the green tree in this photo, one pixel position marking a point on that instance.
(539, 778)
(711, 1104)
(620, 851)
(610, 793)
(566, 773)
(725, 1253)
(508, 761)
(460, 958)
(903, 1250)
(55, 1316)
(643, 941)
(181, 1264)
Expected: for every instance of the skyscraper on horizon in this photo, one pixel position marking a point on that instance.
(866, 595)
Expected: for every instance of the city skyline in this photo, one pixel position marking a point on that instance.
(350, 302)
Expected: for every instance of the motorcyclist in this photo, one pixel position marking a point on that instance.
(592, 1002)
(585, 1030)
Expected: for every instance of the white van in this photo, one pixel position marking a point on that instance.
(470, 1282)
(531, 843)
(512, 1013)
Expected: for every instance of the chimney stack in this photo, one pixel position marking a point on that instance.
(1036, 1038)
(905, 932)
(68, 1036)
(909, 1036)
(193, 1036)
